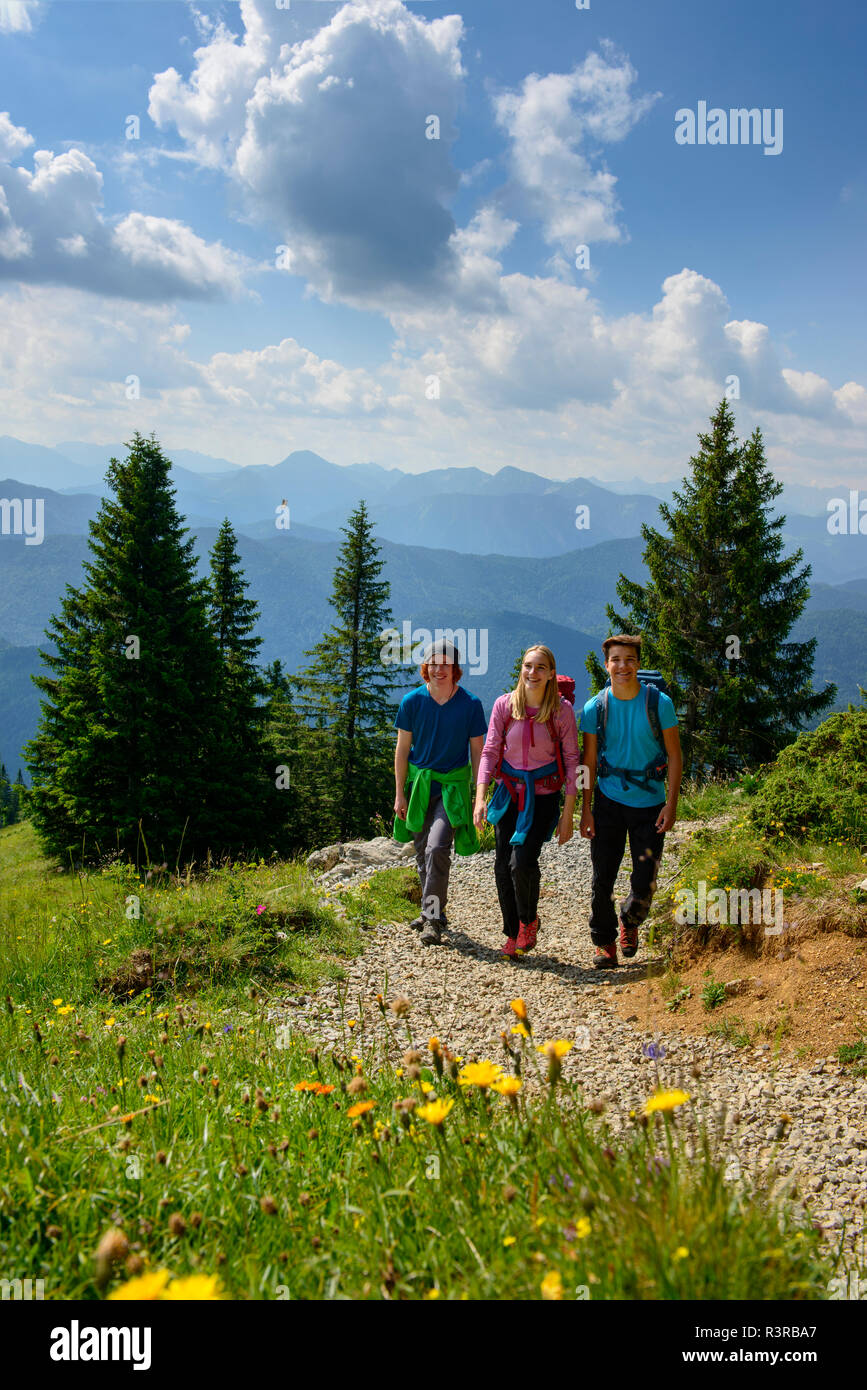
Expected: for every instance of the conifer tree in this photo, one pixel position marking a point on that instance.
(121, 759)
(8, 799)
(718, 606)
(245, 806)
(343, 696)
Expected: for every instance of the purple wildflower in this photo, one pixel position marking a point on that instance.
(654, 1051)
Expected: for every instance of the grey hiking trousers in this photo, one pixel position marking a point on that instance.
(433, 852)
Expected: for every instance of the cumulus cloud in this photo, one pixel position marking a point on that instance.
(52, 231)
(19, 16)
(555, 124)
(328, 141)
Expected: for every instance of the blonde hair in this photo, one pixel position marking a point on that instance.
(550, 700)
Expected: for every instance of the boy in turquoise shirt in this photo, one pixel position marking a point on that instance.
(629, 799)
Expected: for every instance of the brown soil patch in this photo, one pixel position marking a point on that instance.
(799, 1001)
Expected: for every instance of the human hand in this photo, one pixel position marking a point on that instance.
(565, 828)
(588, 827)
(666, 818)
(400, 806)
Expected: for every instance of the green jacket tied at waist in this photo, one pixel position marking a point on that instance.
(456, 800)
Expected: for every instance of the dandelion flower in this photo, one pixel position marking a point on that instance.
(557, 1049)
(507, 1086)
(361, 1107)
(582, 1228)
(57, 1003)
(481, 1074)
(146, 1287)
(521, 1029)
(681, 1253)
(110, 1022)
(519, 1008)
(196, 1286)
(552, 1285)
(665, 1100)
(432, 1293)
(67, 1009)
(435, 1111)
(509, 1240)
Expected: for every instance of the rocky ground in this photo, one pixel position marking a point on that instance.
(808, 1125)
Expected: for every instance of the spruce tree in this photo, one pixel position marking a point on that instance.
(718, 606)
(343, 696)
(122, 757)
(245, 806)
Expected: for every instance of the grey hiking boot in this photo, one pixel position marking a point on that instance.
(433, 933)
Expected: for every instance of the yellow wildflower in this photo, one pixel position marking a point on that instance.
(552, 1285)
(519, 1008)
(521, 1029)
(681, 1253)
(481, 1074)
(507, 1086)
(57, 1002)
(146, 1286)
(582, 1228)
(509, 1240)
(665, 1100)
(435, 1111)
(195, 1286)
(557, 1049)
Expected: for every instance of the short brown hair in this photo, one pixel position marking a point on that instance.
(623, 639)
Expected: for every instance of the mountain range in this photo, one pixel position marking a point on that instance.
(462, 549)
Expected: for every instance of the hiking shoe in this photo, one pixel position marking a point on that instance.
(509, 948)
(527, 932)
(432, 934)
(418, 924)
(628, 939)
(605, 957)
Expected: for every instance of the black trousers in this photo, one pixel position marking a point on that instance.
(516, 867)
(613, 823)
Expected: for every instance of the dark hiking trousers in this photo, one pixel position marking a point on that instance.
(433, 849)
(516, 867)
(613, 822)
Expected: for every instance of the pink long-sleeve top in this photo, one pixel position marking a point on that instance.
(529, 744)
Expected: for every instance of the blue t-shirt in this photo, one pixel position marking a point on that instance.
(441, 733)
(629, 742)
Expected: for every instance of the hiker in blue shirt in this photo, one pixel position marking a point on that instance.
(436, 723)
(630, 734)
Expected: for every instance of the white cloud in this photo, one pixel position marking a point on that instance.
(17, 16)
(550, 121)
(13, 138)
(327, 141)
(52, 231)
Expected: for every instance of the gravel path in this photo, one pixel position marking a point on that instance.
(461, 992)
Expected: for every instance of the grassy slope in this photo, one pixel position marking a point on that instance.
(176, 1118)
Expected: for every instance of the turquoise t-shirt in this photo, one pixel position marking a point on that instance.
(629, 742)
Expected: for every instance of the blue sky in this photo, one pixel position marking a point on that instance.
(414, 259)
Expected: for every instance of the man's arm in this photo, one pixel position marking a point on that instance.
(668, 815)
(588, 828)
(401, 768)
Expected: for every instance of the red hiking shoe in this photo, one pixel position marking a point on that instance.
(628, 939)
(509, 948)
(605, 957)
(527, 932)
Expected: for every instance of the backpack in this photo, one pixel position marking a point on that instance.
(652, 683)
(566, 689)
